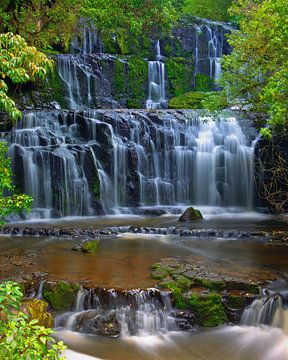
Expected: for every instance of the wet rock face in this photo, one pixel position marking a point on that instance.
(98, 323)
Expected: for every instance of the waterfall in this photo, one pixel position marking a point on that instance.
(125, 313)
(48, 167)
(209, 49)
(156, 71)
(137, 157)
(271, 309)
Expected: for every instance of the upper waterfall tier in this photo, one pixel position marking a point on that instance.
(81, 162)
(94, 78)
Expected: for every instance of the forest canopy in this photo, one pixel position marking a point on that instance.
(255, 75)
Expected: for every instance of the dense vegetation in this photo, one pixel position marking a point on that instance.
(255, 75)
(19, 63)
(11, 202)
(49, 25)
(21, 337)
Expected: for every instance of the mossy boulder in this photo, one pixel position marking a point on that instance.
(190, 214)
(60, 295)
(190, 100)
(90, 246)
(38, 309)
(208, 308)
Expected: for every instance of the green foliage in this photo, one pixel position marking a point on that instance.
(180, 73)
(209, 309)
(19, 63)
(215, 101)
(137, 78)
(10, 201)
(203, 82)
(255, 75)
(190, 100)
(119, 79)
(21, 338)
(177, 295)
(130, 80)
(127, 20)
(42, 23)
(208, 9)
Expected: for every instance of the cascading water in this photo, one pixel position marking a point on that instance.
(139, 159)
(209, 49)
(156, 70)
(271, 309)
(125, 313)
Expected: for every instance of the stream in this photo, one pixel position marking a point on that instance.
(124, 261)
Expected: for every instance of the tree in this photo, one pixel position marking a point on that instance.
(20, 337)
(255, 75)
(19, 63)
(209, 9)
(131, 19)
(43, 23)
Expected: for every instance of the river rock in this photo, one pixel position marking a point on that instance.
(190, 214)
(95, 322)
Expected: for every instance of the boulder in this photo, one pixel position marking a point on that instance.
(190, 214)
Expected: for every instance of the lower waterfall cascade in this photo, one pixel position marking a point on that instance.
(134, 313)
(72, 161)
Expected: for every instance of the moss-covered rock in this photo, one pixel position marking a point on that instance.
(130, 80)
(190, 100)
(38, 309)
(208, 308)
(190, 214)
(60, 295)
(90, 246)
(213, 296)
(180, 75)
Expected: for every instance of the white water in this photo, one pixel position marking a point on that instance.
(156, 71)
(179, 161)
(138, 312)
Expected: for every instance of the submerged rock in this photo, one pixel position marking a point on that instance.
(190, 214)
(90, 246)
(95, 322)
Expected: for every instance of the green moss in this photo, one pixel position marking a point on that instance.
(38, 310)
(203, 82)
(180, 74)
(190, 100)
(130, 80)
(236, 301)
(54, 90)
(61, 295)
(177, 294)
(137, 81)
(119, 79)
(209, 309)
(96, 188)
(90, 247)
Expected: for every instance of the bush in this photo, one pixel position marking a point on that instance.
(190, 100)
(20, 337)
